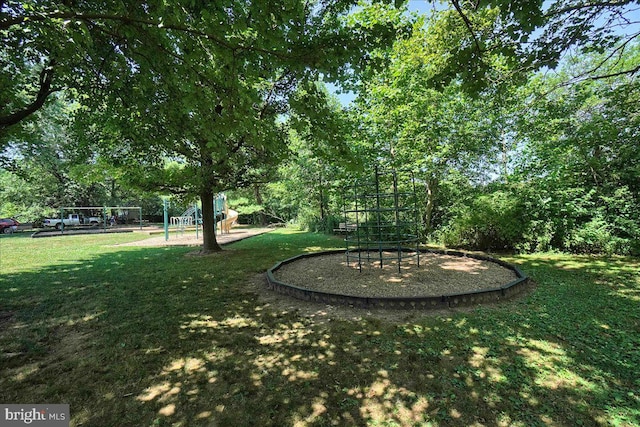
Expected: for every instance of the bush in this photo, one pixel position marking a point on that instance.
(591, 237)
(596, 236)
(491, 221)
(310, 221)
(538, 236)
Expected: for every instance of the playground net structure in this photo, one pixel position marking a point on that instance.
(381, 219)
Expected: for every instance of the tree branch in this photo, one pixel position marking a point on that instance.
(90, 17)
(588, 74)
(619, 73)
(467, 23)
(44, 81)
(618, 49)
(587, 5)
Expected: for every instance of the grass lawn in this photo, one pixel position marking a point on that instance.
(132, 336)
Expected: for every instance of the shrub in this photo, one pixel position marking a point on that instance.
(491, 221)
(310, 221)
(591, 237)
(596, 236)
(538, 236)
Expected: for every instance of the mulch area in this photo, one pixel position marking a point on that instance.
(435, 276)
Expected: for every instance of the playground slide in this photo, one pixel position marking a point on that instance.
(225, 225)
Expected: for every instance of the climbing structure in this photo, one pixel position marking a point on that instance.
(381, 219)
(225, 217)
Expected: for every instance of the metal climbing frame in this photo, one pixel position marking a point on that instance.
(381, 218)
(192, 216)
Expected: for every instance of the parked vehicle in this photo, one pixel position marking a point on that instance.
(8, 225)
(71, 221)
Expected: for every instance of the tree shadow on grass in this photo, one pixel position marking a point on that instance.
(151, 337)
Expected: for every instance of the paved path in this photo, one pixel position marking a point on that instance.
(189, 238)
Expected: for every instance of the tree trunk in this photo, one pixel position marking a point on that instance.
(505, 155)
(113, 192)
(320, 186)
(260, 201)
(430, 189)
(210, 243)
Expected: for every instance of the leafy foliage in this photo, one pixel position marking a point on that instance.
(489, 222)
(190, 99)
(529, 36)
(204, 85)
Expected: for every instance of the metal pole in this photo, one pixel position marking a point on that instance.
(140, 217)
(357, 231)
(396, 209)
(344, 213)
(61, 220)
(378, 213)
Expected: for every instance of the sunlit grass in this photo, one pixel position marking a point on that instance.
(151, 336)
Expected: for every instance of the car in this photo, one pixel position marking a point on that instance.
(8, 225)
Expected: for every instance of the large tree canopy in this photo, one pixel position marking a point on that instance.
(507, 160)
(530, 35)
(205, 84)
(49, 45)
(195, 98)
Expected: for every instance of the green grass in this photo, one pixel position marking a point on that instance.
(133, 336)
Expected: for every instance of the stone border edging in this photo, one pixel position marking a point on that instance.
(426, 302)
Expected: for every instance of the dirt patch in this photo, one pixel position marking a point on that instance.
(189, 238)
(433, 275)
(69, 343)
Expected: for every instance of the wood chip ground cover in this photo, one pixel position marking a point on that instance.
(436, 275)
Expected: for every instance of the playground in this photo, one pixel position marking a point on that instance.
(456, 184)
(284, 327)
(434, 283)
(183, 230)
(383, 265)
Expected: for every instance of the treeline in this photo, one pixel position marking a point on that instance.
(552, 163)
(519, 119)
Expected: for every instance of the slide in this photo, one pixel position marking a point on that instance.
(225, 225)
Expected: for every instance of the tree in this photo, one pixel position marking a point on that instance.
(46, 45)
(529, 36)
(302, 187)
(581, 157)
(218, 108)
(574, 182)
(412, 125)
(50, 45)
(51, 169)
(45, 159)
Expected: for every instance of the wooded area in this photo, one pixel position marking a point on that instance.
(520, 119)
